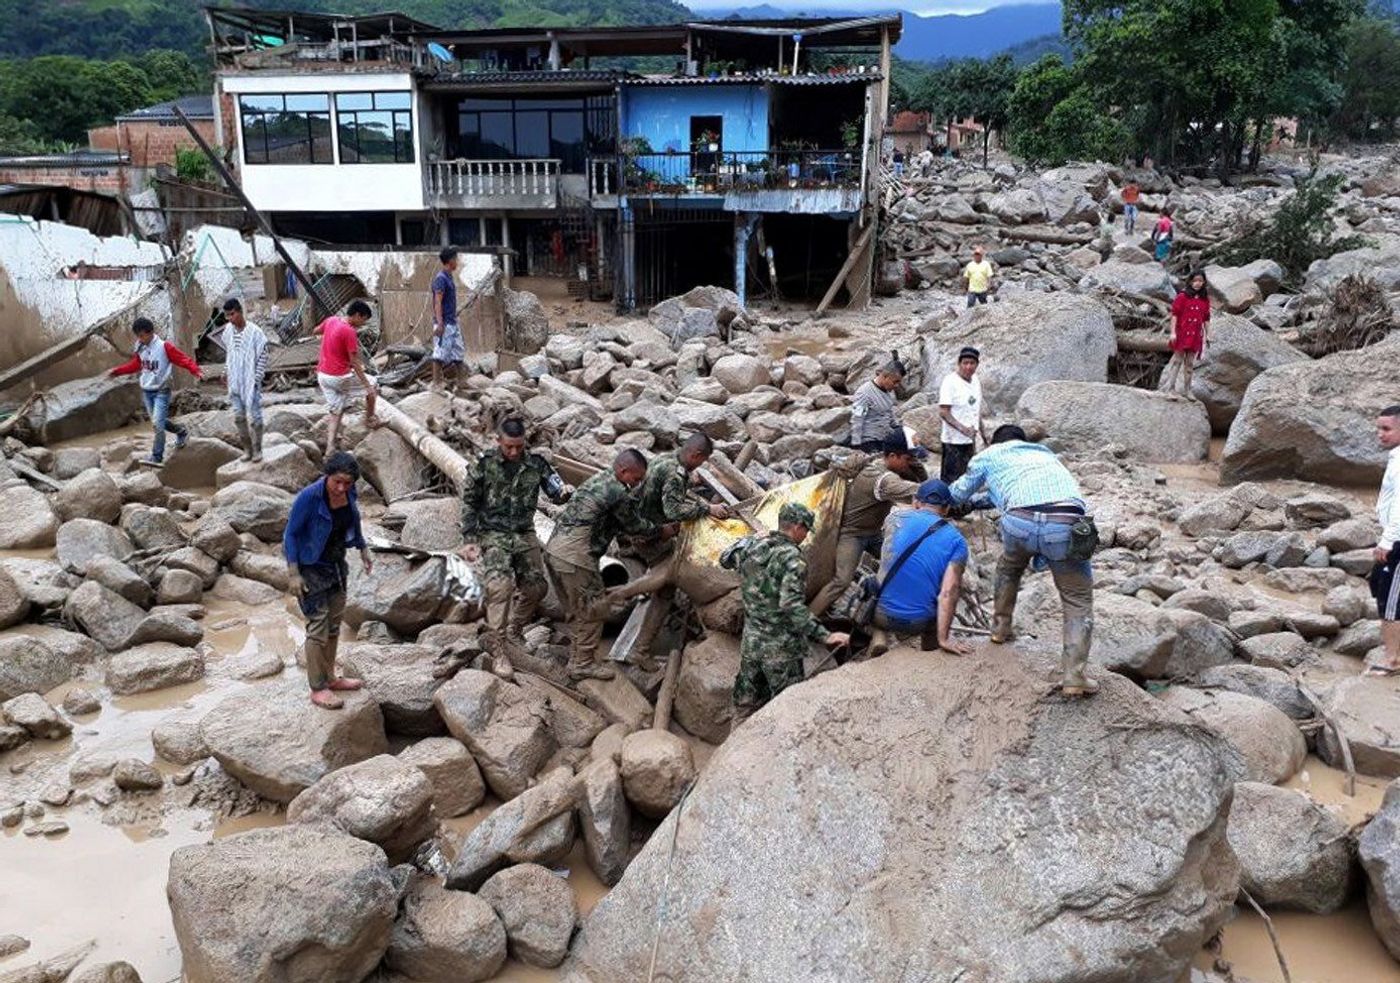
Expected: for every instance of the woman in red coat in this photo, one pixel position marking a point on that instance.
(1190, 329)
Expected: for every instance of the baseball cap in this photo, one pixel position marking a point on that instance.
(797, 514)
(935, 492)
(970, 352)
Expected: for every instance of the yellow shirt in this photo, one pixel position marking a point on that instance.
(979, 277)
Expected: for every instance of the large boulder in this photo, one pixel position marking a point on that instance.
(1039, 338)
(14, 602)
(1017, 206)
(536, 826)
(527, 325)
(538, 911)
(657, 768)
(278, 743)
(1380, 263)
(91, 494)
(1314, 420)
(1379, 851)
(1368, 712)
(30, 522)
(253, 508)
(1116, 276)
(83, 407)
(1085, 416)
(197, 463)
(1293, 853)
(110, 619)
(79, 540)
(400, 678)
(154, 665)
(741, 373)
(1238, 288)
(605, 820)
(275, 905)
(445, 936)
(405, 596)
(27, 665)
(1268, 745)
(284, 466)
(1023, 840)
(452, 772)
(390, 464)
(705, 687)
(503, 726)
(1239, 351)
(381, 799)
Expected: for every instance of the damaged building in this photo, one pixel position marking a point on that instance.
(633, 163)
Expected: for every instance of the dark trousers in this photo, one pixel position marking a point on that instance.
(955, 458)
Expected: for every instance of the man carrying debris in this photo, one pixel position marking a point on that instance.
(245, 364)
(1043, 519)
(884, 480)
(960, 407)
(873, 413)
(499, 496)
(1385, 585)
(977, 275)
(155, 358)
(340, 371)
(602, 508)
(666, 499)
(777, 623)
(447, 336)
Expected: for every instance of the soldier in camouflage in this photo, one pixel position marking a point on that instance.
(499, 498)
(666, 499)
(602, 508)
(777, 622)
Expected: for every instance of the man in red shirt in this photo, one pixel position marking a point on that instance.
(341, 370)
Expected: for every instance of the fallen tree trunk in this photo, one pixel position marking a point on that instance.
(1141, 341)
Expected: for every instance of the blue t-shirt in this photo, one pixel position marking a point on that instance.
(445, 284)
(912, 596)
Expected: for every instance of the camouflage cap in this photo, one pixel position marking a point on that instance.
(795, 513)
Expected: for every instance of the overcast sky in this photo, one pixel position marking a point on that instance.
(917, 6)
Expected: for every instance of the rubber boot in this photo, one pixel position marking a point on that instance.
(245, 438)
(581, 669)
(1004, 608)
(257, 441)
(1078, 637)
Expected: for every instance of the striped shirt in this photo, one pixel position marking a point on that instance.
(872, 414)
(1017, 475)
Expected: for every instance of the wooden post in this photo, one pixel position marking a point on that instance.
(857, 251)
(666, 698)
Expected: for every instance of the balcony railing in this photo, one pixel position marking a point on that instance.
(458, 181)
(724, 172)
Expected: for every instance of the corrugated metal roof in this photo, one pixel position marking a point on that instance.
(79, 158)
(761, 79)
(195, 107)
(599, 75)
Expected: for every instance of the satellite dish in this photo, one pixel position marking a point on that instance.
(439, 52)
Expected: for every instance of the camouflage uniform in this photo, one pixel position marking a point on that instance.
(869, 497)
(665, 497)
(499, 499)
(778, 626)
(601, 509)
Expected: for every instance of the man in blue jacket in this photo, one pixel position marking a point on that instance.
(323, 524)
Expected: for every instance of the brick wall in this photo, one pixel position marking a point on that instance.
(104, 138)
(152, 142)
(228, 116)
(108, 180)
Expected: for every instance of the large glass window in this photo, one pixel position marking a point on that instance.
(375, 127)
(514, 129)
(287, 129)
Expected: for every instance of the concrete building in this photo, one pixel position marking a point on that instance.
(757, 138)
(911, 133)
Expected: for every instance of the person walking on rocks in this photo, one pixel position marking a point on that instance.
(500, 494)
(155, 358)
(665, 500)
(1190, 330)
(325, 522)
(1163, 233)
(977, 275)
(1385, 584)
(342, 372)
(883, 481)
(245, 365)
(960, 407)
(602, 508)
(1043, 519)
(777, 623)
(1131, 195)
(921, 573)
(873, 413)
(448, 350)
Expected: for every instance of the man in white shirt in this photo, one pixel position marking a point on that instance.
(1385, 585)
(960, 407)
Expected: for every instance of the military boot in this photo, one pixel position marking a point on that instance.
(1073, 681)
(583, 668)
(245, 438)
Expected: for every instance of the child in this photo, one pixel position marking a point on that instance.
(1162, 234)
(155, 359)
(1190, 329)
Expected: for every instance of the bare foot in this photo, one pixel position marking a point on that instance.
(343, 683)
(325, 698)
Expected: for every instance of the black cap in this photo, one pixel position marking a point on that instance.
(970, 352)
(895, 442)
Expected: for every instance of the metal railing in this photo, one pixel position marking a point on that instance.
(721, 172)
(493, 178)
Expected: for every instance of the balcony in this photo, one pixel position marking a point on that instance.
(812, 181)
(494, 183)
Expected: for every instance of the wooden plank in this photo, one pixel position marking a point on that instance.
(49, 356)
(856, 251)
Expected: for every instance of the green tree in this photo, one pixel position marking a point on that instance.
(172, 74)
(20, 136)
(1054, 117)
(63, 95)
(1370, 82)
(971, 87)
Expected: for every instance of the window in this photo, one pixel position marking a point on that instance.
(287, 129)
(515, 129)
(374, 127)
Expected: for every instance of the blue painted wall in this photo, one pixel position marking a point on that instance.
(662, 114)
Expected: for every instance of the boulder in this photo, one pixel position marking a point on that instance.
(92, 494)
(741, 373)
(179, 742)
(196, 465)
(1239, 351)
(121, 580)
(1116, 276)
(85, 406)
(704, 689)
(1280, 650)
(117, 972)
(1085, 416)
(501, 724)
(390, 464)
(72, 647)
(538, 911)
(405, 596)
(1380, 263)
(605, 820)
(240, 590)
(382, 800)
(253, 508)
(1362, 532)
(452, 772)
(181, 587)
(1379, 851)
(27, 665)
(518, 832)
(1269, 746)
(285, 466)
(435, 524)
(1017, 206)
(1293, 853)
(1238, 288)
(1040, 338)
(657, 768)
(215, 537)
(1314, 420)
(445, 936)
(1014, 771)
(69, 462)
(400, 679)
(30, 522)
(14, 605)
(1368, 712)
(1270, 685)
(316, 903)
(79, 540)
(33, 713)
(278, 743)
(43, 583)
(110, 619)
(527, 325)
(151, 528)
(155, 665)
(134, 775)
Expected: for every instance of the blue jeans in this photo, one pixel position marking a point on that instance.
(1024, 540)
(1130, 213)
(252, 409)
(158, 409)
